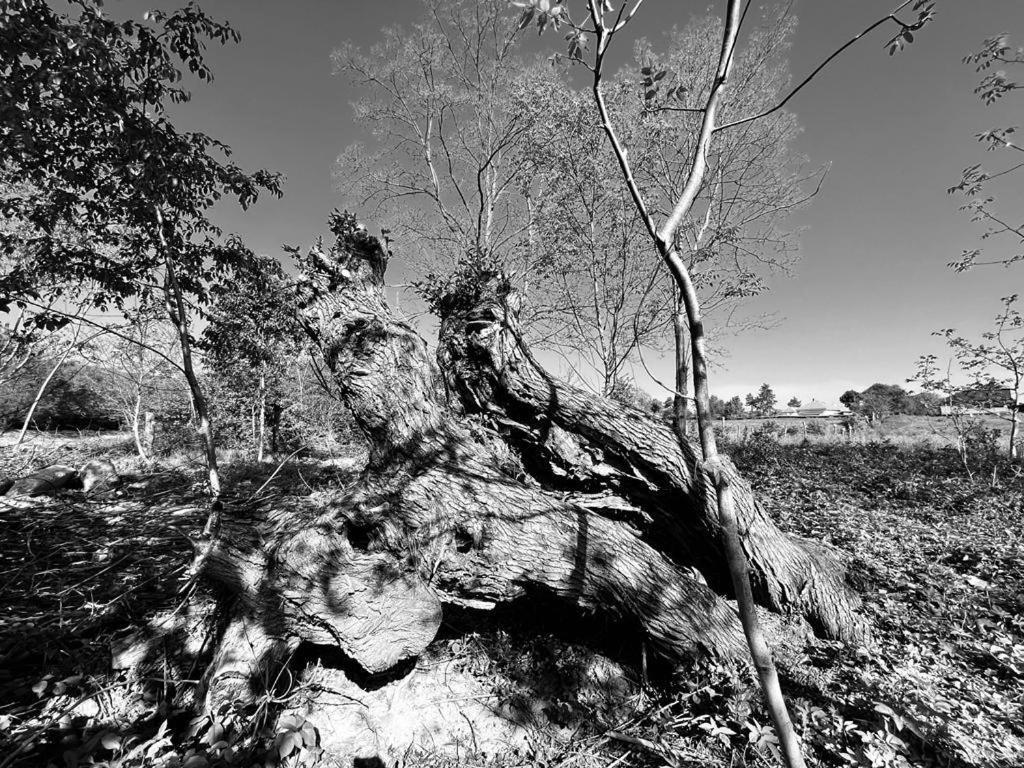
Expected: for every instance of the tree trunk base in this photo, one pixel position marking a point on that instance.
(489, 484)
(369, 573)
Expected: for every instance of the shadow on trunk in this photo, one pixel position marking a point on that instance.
(488, 482)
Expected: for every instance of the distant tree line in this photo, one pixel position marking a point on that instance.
(114, 383)
(881, 400)
(875, 403)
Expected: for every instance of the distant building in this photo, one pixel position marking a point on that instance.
(815, 409)
(819, 410)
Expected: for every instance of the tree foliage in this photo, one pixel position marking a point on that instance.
(85, 131)
(763, 403)
(595, 295)
(475, 151)
(979, 187)
(736, 234)
(734, 408)
(252, 336)
(444, 166)
(992, 366)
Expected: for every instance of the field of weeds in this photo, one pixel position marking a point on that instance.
(900, 430)
(937, 556)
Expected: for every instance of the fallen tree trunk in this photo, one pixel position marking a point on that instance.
(584, 443)
(485, 485)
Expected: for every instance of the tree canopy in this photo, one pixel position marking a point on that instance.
(86, 143)
(997, 61)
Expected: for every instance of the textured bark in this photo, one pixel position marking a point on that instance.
(482, 486)
(148, 435)
(586, 443)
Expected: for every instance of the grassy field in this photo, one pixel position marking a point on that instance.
(938, 558)
(910, 431)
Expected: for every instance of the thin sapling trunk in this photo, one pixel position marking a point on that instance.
(176, 311)
(148, 433)
(680, 406)
(738, 569)
(664, 240)
(46, 383)
(39, 395)
(261, 416)
(136, 432)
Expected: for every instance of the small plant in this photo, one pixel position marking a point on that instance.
(759, 448)
(815, 428)
(994, 368)
(462, 288)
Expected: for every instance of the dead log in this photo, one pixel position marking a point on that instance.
(42, 482)
(484, 485)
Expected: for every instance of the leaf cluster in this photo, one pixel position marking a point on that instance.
(976, 182)
(85, 131)
(475, 276)
(925, 10)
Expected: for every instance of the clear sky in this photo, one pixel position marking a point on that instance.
(872, 284)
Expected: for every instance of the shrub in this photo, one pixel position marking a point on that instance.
(757, 449)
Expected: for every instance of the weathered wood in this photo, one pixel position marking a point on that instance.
(42, 482)
(370, 576)
(488, 484)
(314, 585)
(586, 443)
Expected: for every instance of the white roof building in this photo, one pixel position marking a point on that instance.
(813, 410)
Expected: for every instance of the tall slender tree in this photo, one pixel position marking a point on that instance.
(605, 20)
(85, 129)
(444, 166)
(252, 334)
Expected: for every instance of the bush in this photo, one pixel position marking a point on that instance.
(73, 398)
(757, 449)
(981, 446)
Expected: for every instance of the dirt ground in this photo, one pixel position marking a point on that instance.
(939, 559)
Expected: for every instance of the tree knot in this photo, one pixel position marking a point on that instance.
(717, 468)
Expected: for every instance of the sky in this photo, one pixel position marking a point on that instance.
(871, 285)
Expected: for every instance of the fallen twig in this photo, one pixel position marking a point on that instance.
(274, 473)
